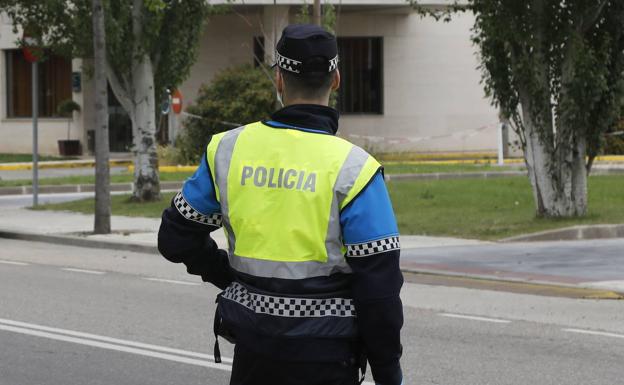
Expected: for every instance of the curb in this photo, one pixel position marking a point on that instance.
(485, 175)
(557, 289)
(515, 285)
(22, 166)
(81, 188)
(69, 240)
(573, 233)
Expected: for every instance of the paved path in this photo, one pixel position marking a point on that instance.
(74, 316)
(592, 263)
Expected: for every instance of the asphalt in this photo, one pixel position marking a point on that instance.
(74, 315)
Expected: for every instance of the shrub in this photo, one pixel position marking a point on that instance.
(236, 96)
(614, 145)
(169, 156)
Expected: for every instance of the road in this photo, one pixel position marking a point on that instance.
(72, 316)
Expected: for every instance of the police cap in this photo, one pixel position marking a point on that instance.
(306, 48)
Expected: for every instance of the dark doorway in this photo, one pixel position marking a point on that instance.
(119, 127)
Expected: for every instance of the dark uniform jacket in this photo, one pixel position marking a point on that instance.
(368, 229)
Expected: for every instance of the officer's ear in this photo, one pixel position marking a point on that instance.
(336, 81)
(279, 81)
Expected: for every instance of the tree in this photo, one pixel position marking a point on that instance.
(102, 223)
(150, 45)
(555, 68)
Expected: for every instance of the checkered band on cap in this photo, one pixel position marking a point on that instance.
(373, 247)
(291, 65)
(289, 307)
(333, 64)
(193, 215)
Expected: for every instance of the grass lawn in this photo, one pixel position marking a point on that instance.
(15, 158)
(390, 168)
(467, 208)
(493, 209)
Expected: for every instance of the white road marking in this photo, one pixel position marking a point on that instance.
(595, 333)
(83, 271)
(173, 281)
(119, 348)
(107, 342)
(109, 339)
(14, 263)
(475, 318)
(117, 344)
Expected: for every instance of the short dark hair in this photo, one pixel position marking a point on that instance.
(312, 85)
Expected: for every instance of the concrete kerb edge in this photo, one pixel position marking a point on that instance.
(591, 293)
(68, 240)
(61, 164)
(606, 231)
(80, 188)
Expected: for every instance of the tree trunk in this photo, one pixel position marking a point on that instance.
(316, 12)
(143, 113)
(102, 223)
(146, 178)
(558, 174)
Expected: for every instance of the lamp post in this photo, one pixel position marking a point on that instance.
(32, 54)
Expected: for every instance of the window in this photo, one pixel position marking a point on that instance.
(361, 61)
(54, 84)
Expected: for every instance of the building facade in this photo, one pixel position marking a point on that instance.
(409, 83)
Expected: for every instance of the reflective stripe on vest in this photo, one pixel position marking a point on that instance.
(281, 192)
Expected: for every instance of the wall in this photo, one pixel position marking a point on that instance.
(227, 41)
(431, 87)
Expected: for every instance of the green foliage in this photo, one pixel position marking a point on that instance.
(67, 107)
(614, 145)
(236, 96)
(328, 16)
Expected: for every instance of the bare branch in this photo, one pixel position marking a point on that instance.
(121, 91)
(588, 20)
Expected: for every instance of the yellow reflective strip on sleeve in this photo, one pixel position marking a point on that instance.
(368, 171)
(211, 151)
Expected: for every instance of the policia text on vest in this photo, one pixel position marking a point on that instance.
(286, 179)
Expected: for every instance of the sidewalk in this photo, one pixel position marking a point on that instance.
(597, 264)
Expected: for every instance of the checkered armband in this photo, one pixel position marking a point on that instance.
(191, 214)
(373, 247)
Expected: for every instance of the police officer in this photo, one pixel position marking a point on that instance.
(311, 276)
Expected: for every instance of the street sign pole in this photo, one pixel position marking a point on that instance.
(35, 117)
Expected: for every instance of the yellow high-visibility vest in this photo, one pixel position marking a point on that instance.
(281, 191)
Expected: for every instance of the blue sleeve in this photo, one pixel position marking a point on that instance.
(199, 191)
(369, 217)
(371, 235)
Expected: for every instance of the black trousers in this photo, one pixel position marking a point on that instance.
(251, 369)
